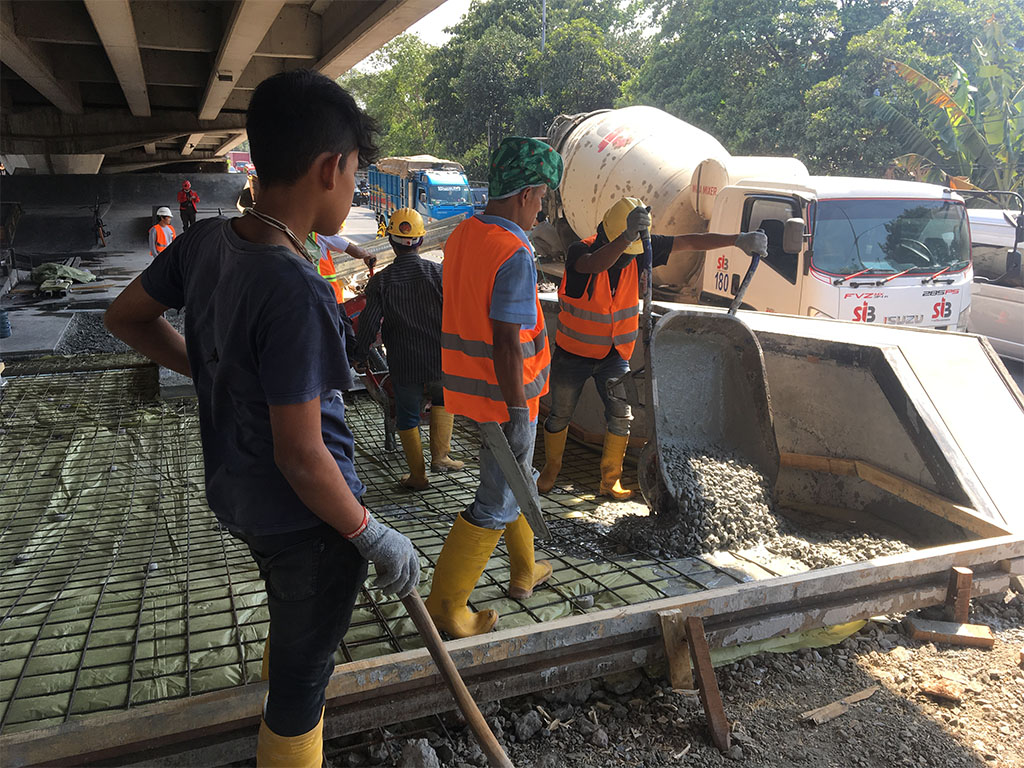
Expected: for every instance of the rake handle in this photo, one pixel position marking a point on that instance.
(496, 756)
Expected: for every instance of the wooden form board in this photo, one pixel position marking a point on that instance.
(390, 688)
(965, 517)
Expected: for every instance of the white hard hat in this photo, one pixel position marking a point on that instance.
(163, 211)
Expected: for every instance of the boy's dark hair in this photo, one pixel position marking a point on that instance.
(295, 116)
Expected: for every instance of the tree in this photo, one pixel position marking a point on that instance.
(392, 91)
(974, 135)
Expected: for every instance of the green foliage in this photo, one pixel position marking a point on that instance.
(972, 135)
(391, 90)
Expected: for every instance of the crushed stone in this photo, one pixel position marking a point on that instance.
(86, 335)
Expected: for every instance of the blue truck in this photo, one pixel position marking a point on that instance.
(435, 188)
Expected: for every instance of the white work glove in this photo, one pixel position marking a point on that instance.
(393, 556)
(637, 221)
(520, 432)
(753, 242)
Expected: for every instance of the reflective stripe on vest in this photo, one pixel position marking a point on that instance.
(474, 253)
(591, 325)
(326, 269)
(162, 239)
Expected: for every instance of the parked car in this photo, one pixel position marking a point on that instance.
(997, 303)
(361, 195)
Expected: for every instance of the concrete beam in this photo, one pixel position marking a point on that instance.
(295, 35)
(116, 28)
(319, 6)
(30, 62)
(127, 163)
(345, 45)
(192, 143)
(45, 129)
(233, 141)
(249, 24)
(149, 149)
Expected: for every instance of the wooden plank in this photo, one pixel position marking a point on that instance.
(819, 463)
(950, 632)
(677, 649)
(707, 683)
(735, 614)
(958, 594)
(837, 708)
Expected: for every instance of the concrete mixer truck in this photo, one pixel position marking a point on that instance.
(867, 250)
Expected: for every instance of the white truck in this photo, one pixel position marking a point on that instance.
(997, 310)
(866, 250)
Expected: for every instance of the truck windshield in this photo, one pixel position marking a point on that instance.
(450, 194)
(852, 236)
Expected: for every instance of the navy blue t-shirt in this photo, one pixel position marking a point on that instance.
(261, 329)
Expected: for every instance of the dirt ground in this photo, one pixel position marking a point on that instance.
(636, 719)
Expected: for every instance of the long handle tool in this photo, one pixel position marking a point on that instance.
(496, 756)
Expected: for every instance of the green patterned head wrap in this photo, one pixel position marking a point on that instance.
(518, 163)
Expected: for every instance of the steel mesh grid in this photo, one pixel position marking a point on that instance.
(143, 597)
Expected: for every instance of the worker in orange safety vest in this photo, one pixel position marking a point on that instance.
(598, 320)
(162, 233)
(494, 362)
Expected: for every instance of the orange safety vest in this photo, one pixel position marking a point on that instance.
(326, 269)
(473, 255)
(590, 325)
(161, 237)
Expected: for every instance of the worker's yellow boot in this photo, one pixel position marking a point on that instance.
(611, 466)
(462, 560)
(554, 447)
(526, 572)
(416, 480)
(441, 423)
(303, 751)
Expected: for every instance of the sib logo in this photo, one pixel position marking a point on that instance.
(942, 310)
(723, 264)
(865, 313)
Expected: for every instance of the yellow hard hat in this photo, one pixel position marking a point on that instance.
(406, 226)
(614, 222)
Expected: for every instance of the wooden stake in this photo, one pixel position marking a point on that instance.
(677, 649)
(958, 594)
(707, 685)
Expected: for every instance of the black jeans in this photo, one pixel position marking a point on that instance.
(313, 578)
(188, 217)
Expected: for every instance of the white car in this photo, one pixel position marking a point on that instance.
(997, 303)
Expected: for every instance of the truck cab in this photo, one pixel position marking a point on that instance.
(864, 250)
(440, 194)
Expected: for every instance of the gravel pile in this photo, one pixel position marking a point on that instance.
(85, 335)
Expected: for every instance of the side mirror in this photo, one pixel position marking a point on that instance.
(793, 236)
(1013, 262)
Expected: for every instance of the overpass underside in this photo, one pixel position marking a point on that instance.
(91, 86)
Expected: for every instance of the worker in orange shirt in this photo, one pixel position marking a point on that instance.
(162, 233)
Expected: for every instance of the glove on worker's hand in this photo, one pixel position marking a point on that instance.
(520, 432)
(398, 566)
(638, 220)
(753, 242)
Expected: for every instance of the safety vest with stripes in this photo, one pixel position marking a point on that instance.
(326, 269)
(591, 325)
(474, 253)
(162, 238)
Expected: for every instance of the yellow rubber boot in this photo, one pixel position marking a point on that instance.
(441, 423)
(526, 572)
(416, 480)
(611, 466)
(462, 560)
(303, 751)
(554, 447)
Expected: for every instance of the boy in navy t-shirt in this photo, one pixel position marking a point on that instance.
(262, 346)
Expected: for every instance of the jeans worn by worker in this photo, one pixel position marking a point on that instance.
(495, 505)
(569, 374)
(312, 579)
(409, 401)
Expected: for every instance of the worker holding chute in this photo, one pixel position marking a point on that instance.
(598, 323)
